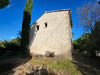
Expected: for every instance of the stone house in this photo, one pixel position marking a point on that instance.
(52, 32)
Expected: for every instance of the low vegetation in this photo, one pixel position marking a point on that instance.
(63, 67)
(85, 43)
(11, 45)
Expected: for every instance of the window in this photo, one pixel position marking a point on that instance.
(45, 24)
(37, 27)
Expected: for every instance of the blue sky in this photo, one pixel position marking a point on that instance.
(12, 15)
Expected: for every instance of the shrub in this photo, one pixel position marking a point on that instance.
(11, 46)
(2, 50)
(75, 45)
(16, 41)
(84, 43)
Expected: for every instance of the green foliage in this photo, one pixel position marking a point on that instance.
(84, 43)
(28, 7)
(25, 26)
(75, 44)
(2, 50)
(13, 45)
(65, 67)
(89, 19)
(17, 41)
(97, 34)
(10, 46)
(4, 3)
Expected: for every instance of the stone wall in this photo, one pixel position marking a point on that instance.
(52, 32)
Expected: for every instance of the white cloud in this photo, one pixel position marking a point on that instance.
(12, 37)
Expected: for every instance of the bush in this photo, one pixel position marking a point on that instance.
(75, 45)
(13, 45)
(91, 48)
(2, 50)
(16, 41)
(84, 43)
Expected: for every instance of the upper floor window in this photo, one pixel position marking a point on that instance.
(37, 27)
(45, 24)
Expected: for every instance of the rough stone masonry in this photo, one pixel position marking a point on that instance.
(52, 32)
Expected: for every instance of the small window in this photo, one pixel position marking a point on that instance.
(45, 24)
(37, 27)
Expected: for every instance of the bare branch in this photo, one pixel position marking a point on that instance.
(88, 15)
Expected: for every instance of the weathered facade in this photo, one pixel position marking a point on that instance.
(52, 32)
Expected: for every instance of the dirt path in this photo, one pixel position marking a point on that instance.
(9, 62)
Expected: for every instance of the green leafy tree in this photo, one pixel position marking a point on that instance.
(4, 3)
(89, 15)
(84, 43)
(10, 45)
(25, 27)
(97, 34)
(17, 41)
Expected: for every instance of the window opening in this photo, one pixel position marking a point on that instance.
(37, 27)
(45, 24)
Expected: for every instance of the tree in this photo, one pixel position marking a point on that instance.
(88, 15)
(97, 33)
(25, 27)
(85, 44)
(4, 3)
(17, 41)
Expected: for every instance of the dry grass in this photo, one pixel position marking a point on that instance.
(62, 67)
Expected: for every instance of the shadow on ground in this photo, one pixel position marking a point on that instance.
(86, 64)
(14, 64)
(41, 71)
(10, 61)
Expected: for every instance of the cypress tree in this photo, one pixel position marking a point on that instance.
(26, 26)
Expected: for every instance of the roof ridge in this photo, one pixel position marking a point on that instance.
(58, 10)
